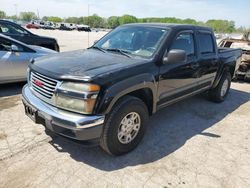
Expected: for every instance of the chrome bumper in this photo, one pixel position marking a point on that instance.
(76, 126)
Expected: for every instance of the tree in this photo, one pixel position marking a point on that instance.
(93, 21)
(127, 19)
(54, 19)
(27, 16)
(72, 20)
(13, 17)
(2, 14)
(113, 21)
(221, 26)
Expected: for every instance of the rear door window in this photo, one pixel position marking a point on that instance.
(206, 43)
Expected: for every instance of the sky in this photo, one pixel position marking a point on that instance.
(202, 10)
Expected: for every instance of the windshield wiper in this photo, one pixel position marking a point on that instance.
(123, 52)
(98, 48)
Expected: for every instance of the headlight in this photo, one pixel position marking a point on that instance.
(77, 97)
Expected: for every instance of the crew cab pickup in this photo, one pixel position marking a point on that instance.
(17, 32)
(108, 92)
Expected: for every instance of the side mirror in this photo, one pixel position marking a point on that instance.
(175, 56)
(14, 48)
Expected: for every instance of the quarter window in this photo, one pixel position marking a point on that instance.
(184, 41)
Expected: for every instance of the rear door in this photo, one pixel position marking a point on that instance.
(208, 58)
(179, 79)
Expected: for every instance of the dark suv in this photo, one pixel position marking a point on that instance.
(17, 32)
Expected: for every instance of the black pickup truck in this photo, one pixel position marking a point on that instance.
(108, 92)
(17, 32)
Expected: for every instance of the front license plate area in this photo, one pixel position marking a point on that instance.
(31, 112)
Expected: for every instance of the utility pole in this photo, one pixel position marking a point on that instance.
(88, 25)
(38, 14)
(15, 5)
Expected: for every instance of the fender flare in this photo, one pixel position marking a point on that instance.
(115, 92)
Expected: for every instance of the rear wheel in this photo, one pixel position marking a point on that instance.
(220, 92)
(125, 126)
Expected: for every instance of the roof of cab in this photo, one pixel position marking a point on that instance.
(170, 25)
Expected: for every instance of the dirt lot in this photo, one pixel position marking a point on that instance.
(194, 143)
(71, 40)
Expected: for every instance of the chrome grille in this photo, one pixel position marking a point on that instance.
(42, 85)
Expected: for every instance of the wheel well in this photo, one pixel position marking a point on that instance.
(232, 70)
(146, 96)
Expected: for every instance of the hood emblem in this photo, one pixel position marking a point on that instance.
(38, 83)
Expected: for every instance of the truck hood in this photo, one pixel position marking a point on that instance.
(83, 64)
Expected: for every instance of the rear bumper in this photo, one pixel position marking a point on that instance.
(72, 125)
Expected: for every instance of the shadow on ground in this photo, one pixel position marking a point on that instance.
(168, 130)
(7, 90)
(9, 95)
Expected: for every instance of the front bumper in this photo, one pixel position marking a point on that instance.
(72, 125)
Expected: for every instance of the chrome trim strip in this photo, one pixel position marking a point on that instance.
(43, 81)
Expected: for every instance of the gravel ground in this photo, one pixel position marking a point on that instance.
(71, 40)
(193, 143)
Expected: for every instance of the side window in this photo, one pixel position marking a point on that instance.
(184, 41)
(5, 45)
(11, 29)
(206, 43)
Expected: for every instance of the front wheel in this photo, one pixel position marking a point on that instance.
(125, 126)
(220, 92)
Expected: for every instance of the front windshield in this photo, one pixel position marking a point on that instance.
(135, 40)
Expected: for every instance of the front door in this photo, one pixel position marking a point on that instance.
(179, 79)
(13, 64)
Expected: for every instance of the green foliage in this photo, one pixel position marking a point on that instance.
(27, 16)
(125, 19)
(2, 14)
(113, 22)
(13, 17)
(52, 19)
(221, 26)
(95, 21)
(72, 20)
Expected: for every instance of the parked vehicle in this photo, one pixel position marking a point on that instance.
(19, 33)
(32, 25)
(82, 27)
(15, 57)
(64, 27)
(243, 68)
(108, 91)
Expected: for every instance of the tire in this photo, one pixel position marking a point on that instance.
(124, 109)
(220, 92)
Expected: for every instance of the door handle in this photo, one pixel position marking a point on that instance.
(194, 65)
(214, 61)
